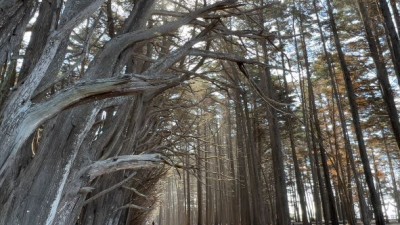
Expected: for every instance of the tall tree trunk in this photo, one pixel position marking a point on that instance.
(242, 174)
(233, 208)
(188, 208)
(392, 175)
(199, 179)
(396, 14)
(282, 207)
(253, 168)
(319, 139)
(381, 71)
(394, 38)
(207, 178)
(313, 161)
(289, 122)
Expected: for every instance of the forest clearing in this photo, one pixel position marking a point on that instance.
(199, 112)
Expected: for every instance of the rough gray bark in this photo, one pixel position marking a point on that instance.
(15, 112)
(14, 17)
(45, 23)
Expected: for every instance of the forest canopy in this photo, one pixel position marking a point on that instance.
(204, 112)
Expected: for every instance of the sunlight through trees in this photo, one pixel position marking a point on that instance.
(197, 112)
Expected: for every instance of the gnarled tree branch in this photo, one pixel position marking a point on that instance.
(124, 162)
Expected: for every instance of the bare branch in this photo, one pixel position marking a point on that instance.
(224, 56)
(98, 195)
(84, 92)
(136, 191)
(124, 162)
(172, 58)
(119, 43)
(83, 14)
(133, 206)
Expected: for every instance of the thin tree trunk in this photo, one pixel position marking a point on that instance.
(313, 161)
(315, 120)
(378, 184)
(232, 185)
(243, 187)
(188, 209)
(199, 180)
(392, 175)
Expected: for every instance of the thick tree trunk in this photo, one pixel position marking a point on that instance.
(396, 14)
(46, 22)
(14, 18)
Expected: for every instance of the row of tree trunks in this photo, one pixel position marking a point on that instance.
(360, 191)
(356, 122)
